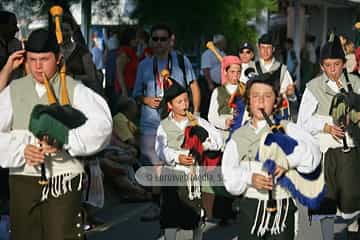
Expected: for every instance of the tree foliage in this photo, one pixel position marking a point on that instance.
(200, 19)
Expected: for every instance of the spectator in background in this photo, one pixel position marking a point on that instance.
(98, 59)
(308, 62)
(291, 59)
(210, 74)
(78, 59)
(122, 156)
(8, 43)
(210, 65)
(111, 46)
(8, 29)
(349, 50)
(126, 63)
(143, 49)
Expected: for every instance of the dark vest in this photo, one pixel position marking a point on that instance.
(222, 99)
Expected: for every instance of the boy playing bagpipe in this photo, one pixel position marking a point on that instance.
(40, 143)
(226, 113)
(263, 162)
(329, 110)
(181, 144)
(223, 105)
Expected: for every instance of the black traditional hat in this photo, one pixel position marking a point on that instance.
(42, 40)
(8, 18)
(266, 39)
(172, 89)
(269, 78)
(332, 49)
(246, 45)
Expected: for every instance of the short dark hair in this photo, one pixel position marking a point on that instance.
(160, 26)
(290, 41)
(127, 35)
(265, 79)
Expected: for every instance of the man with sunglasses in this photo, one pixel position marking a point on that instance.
(149, 90)
(246, 55)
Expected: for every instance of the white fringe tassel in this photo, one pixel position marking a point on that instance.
(59, 185)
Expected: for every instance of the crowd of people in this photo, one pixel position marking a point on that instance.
(273, 142)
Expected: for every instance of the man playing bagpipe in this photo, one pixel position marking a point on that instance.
(182, 142)
(329, 110)
(263, 163)
(284, 82)
(42, 139)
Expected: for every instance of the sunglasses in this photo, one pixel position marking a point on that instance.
(161, 39)
(246, 51)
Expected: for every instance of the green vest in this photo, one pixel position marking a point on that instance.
(175, 136)
(323, 93)
(24, 97)
(247, 142)
(223, 99)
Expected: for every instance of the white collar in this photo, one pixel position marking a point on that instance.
(231, 88)
(332, 84)
(181, 124)
(267, 65)
(40, 89)
(260, 125)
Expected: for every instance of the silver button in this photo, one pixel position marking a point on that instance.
(78, 225)
(79, 235)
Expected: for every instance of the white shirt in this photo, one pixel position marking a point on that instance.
(287, 79)
(87, 139)
(306, 116)
(244, 78)
(213, 116)
(171, 156)
(238, 177)
(311, 51)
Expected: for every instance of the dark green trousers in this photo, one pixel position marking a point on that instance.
(247, 214)
(54, 219)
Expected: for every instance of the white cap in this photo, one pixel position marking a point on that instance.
(218, 38)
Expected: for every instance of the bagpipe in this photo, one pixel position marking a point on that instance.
(309, 189)
(53, 122)
(344, 109)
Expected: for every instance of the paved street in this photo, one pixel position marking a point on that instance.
(123, 222)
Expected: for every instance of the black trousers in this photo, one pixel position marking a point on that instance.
(342, 177)
(247, 214)
(54, 219)
(4, 191)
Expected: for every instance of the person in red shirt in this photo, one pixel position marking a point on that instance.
(126, 63)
